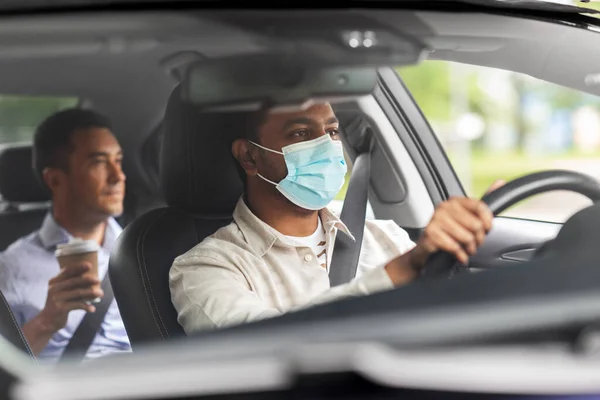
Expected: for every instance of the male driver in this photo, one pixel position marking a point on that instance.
(79, 160)
(274, 257)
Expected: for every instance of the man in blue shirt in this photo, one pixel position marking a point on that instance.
(79, 160)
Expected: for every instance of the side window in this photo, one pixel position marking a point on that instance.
(20, 115)
(497, 124)
(338, 202)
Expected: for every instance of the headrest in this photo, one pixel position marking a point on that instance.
(18, 182)
(197, 170)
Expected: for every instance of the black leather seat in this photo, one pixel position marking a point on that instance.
(10, 330)
(25, 201)
(201, 187)
(25, 205)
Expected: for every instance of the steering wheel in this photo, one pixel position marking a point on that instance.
(441, 264)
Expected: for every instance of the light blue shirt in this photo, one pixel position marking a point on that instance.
(25, 269)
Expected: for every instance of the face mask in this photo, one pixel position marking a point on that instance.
(316, 171)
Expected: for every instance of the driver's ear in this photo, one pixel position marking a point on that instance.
(242, 153)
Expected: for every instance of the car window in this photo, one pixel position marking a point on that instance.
(338, 202)
(496, 124)
(19, 115)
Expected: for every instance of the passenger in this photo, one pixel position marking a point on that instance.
(79, 160)
(274, 257)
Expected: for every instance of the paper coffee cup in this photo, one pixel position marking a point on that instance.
(76, 252)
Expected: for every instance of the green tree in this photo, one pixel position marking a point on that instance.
(429, 83)
(19, 115)
(593, 6)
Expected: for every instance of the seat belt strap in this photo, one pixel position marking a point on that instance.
(346, 252)
(85, 333)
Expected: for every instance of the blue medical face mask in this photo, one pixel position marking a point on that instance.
(316, 171)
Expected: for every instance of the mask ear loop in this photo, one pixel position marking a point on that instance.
(264, 148)
(267, 180)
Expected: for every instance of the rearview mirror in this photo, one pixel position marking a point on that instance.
(251, 81)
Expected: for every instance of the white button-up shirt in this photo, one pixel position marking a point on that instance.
(248, 271)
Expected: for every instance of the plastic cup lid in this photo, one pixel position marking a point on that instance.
(76, 246)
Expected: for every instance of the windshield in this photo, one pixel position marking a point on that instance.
(248, 189)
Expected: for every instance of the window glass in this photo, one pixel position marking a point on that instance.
(20, 115)
(496, 124)
(338, 202)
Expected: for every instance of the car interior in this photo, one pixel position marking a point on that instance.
(139, 267)
(182, 184)
(25, 200)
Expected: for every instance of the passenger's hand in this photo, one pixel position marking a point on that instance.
(69, 291)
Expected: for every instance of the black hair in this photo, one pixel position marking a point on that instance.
(52, 140)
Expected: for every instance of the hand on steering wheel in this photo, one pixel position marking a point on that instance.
(442, 264)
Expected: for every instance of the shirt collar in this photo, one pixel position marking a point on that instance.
(52, 234)
(331, 221)
(261, 237)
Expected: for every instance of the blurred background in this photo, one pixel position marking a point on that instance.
(496, 124)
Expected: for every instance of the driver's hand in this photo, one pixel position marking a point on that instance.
(458, 226)
(496, 185)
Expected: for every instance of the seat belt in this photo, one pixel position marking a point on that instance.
(346, 252)
(90, 325)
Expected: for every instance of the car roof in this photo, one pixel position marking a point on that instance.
(544, 5)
